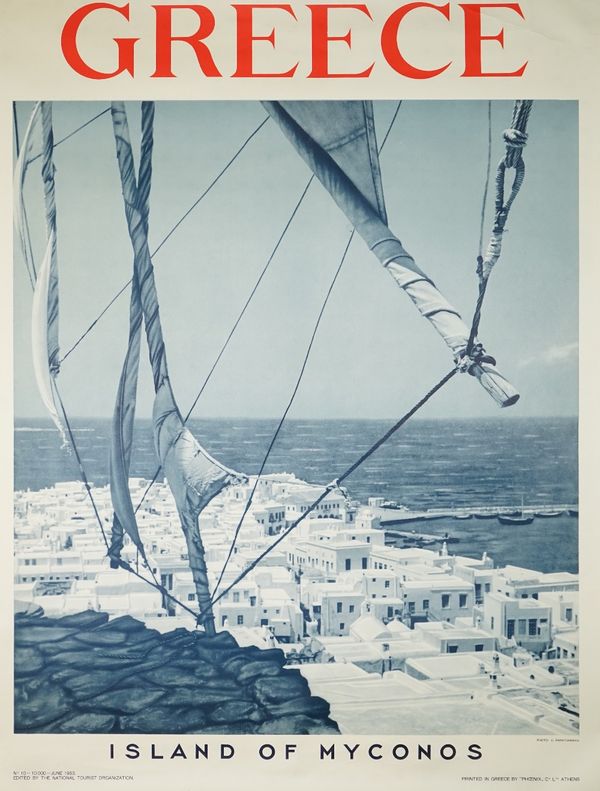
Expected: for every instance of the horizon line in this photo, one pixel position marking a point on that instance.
(511, 416)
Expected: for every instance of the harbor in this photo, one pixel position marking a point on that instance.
(392, 515)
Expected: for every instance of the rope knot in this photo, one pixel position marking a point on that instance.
(476, 356)
(515, 138)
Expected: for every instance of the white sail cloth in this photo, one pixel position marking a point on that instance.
(38, 142)
(337, 141)
(193, 475)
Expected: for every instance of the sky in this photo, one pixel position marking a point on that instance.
(374, 355)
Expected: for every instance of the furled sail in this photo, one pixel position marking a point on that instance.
(194, 477)
(124, 520)
(44, 326)
(337, 141)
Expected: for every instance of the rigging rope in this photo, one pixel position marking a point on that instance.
(123, 564)
(82, 472)
(336, 483)
(168, 235)
(75, 131)
(299, 380)
(285, 412)
(515, 139)
(488, 171)
(16, 127)
(233, 329)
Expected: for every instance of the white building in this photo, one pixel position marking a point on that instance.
(525, 622)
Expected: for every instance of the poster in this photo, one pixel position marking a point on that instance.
(445, 69)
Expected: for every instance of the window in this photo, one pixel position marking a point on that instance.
(390, 612)
(445, 599)
(510, 628)
(425, 604)
(532, 627)
(350, 608)
(534, 596)
(386, 584)
(411, 607)
(462, 599)
(488, 587)
(264, 621)
(342, 625)
(223, 619)
(236, 596)
(492, 622)
(451, 649)
(339, 607)
(240, 620)
(569, 614)
(348, 564)
(364, 562)
(479, 646)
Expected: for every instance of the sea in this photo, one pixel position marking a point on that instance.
(426, 464)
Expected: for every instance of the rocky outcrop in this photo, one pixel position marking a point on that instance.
(85, 673)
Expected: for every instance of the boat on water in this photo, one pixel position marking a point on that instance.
(573, 511)
(463, 516)
(515, 520)
(485, 514)
(547, 514)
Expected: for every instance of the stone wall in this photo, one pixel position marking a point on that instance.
(85, 674)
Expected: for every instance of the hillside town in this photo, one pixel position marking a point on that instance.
(398, 640)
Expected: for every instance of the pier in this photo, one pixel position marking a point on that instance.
(390, 516)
